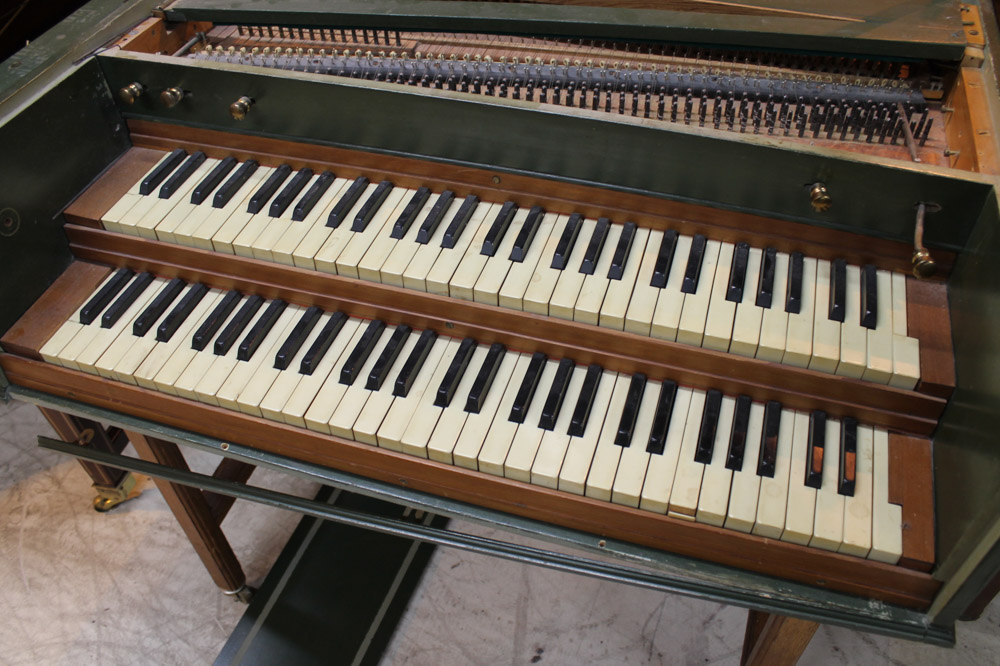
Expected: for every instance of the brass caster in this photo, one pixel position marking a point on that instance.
(105, 504)
(108, 497)
(243, 595)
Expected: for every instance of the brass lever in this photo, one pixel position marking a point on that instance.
(924, 265)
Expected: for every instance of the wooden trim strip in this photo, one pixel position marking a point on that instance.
(888, 583)
(555, 196)
(797, 388)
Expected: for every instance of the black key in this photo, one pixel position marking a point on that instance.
(458, 223)
(414, 362)
(434, 217)
(738, 273)
(321, 344)
(664, 259)
(212, 180)
(793, 292)
(446, 391)
(527, 234)
(499, 228)
(593, 253)
(566, 242)
(765, 284)
(288, 194)
(814, 452)
(626, 426)
(838, 290)
(312, 196)
(388, 356)
(709, 424)
(267, 190)
(661, 420)
(848, 456)
(180, 176)
(303, 327)
(769, 439)
(162, 170)
(235, 327)
(557, 393)
(409, 214)
(526, 391)
(214, 322)
(235, 182)
(693, 270)
(346, 202)
(361, 352)
(260, 330)
(100, 300)
(144, 322)
(371, 206)
(484, 380)
(622, 252)
(123, 302)
(180, 313)
(738, 436)
(869, 297)
(581, 413)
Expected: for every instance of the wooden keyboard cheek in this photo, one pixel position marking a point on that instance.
(893, 584)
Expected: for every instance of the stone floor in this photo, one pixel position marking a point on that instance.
(78, 587)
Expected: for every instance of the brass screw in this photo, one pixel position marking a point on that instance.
(820, 198)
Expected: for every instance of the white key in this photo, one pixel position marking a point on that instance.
(721, 312)
(853, 336)
(639, 314)
(567, 289)
(229, 231)
(580, 453)
(283, 250)
(111, 219)
(287, 380)
(199, 227)
(663, 467)
(123, 343)
(421, 396)
(543, 281)
(385, 217)
(801, 498)
(887, 519)
(607, 454)
(746, 322)
(223, 365)
(487, 436)
(384, 245)
(165, 352)
(495, 270)
(322, 246)
(428, 417)
(746, 484)
(459, 279)
(799, 340)
(529, 436)
(898, 286)
(325, 400)
(87, 359)
(250, 379)
(631, 474)
(717, 479)
(858, 507)
(774, 321)
(670, 302)
(587, 308)
(878, 364)
(276, 227)
(522, 274)
(164, 230)
(432, 266)
(905, 350)
(826, 332)
(687, 478)
(68, 330)
(127, 365)
(552, 448)
(828, 525)
(694, 314)
(773, 497)
(147, 224)
(310, 386)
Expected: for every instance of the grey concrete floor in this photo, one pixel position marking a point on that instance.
(78, 587)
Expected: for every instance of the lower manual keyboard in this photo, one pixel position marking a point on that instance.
(693, 454)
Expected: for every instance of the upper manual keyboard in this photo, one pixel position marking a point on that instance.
(788, 308)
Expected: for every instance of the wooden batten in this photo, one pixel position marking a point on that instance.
(972, 143)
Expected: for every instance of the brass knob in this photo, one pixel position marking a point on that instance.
(819, 197)
(239, 109)
(924, 265)
(128, 94)
(171, 97)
